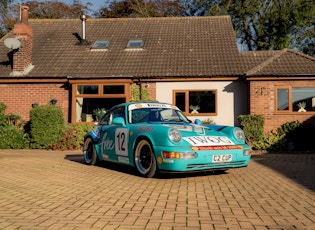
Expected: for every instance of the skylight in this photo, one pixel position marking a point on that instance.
(135, 44)
(100, 45)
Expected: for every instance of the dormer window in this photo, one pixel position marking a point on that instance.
(100, 45)
(135, 44)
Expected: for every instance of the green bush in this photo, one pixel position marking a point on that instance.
(208, 121)
(301, 137)
(253, 127)
(47, 126)
(272, 141)
(72, 137)
(290, 136)
(135, 92)
(12, 134)
(13, 138)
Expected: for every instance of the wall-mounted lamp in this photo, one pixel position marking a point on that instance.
(35, 104)
(53, 101)
(147, 85)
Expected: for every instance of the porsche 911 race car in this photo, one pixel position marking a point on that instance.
(157, 137)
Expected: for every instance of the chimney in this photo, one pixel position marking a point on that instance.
(22, 57)
(83, 18)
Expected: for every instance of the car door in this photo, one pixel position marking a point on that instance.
(114, 138)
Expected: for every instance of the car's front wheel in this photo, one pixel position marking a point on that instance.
(144, 159)
(89, 152)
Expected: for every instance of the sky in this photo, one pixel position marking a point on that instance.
(97, 4)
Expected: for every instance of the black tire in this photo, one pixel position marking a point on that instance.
(144, 158)
(90, 156)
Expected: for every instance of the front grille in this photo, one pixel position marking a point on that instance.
(234, 164)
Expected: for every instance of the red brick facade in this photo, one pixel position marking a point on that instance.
(263, 101)
(19, 97)
(22, 58)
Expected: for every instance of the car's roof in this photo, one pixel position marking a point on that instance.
(142, 102)
(145, 104)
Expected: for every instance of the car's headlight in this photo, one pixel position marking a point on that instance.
(239, 134)
(174, 135)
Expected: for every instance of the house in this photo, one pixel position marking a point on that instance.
(192, 62)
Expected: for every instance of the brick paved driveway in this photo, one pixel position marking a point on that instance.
(55, 190)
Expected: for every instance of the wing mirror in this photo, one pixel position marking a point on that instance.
(198, 122)
(119, 121)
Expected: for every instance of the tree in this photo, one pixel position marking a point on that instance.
(270, 25)
(38, 10)
(141, 8)
(6, 19)
(57, 9)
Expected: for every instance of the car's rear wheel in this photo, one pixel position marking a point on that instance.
(144, 159)
(90, 156)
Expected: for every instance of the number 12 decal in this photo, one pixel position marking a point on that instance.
(121, 142)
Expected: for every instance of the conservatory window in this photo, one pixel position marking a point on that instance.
(92, 101)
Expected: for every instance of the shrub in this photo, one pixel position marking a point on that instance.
(290, 136)
(135, 92)
(12, 134)
(47, 126)
(72, 137)
(301, 137)
(208, 121)
(253, 127)
(271, 141)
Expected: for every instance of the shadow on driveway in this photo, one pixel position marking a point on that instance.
(297, 167)
(132, 171)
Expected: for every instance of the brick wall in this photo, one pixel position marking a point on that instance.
(19, 97)
(262, 101)
(22, 58)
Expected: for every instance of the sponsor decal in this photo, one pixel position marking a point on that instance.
(182, 127)
(145, 129)
(96, 132)
(199, 129)
(105, 156)
(150, 105)
(123, 160)
(106, 143)
(224, 147)
(168, 161)
(208, 140)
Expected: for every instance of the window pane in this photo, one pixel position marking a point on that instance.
(283, 99)
(113, 89)
(303, 99)
(87, 89)
(202, 102)
(180, 101)
(89, 109)
(135, 44)
(100, 44)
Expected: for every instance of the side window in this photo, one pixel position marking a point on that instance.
(291, 99)
(105, 119)
(118, 112)
(196, 102)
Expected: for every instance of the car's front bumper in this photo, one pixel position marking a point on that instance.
(204, 160)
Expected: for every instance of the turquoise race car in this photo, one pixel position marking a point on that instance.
(157, 137)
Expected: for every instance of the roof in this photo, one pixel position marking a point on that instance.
(278, 63)
(173, 47)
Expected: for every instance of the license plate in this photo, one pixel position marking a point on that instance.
(222, 158)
